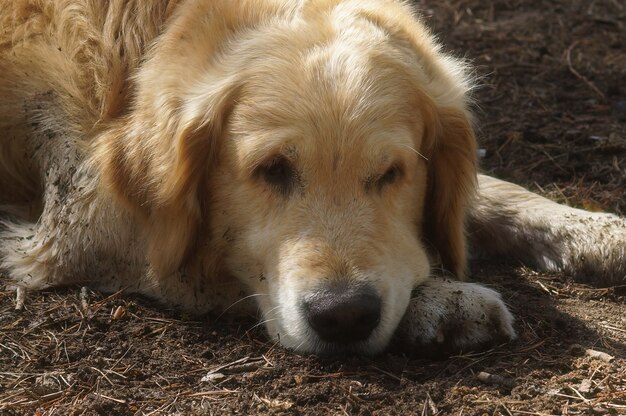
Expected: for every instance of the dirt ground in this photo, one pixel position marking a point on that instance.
(552, 117)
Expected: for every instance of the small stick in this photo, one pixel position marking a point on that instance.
(221, 367)
(495, 379)
(20, 297)
(245, 367)
(121, 401)
(429, 407)
(578, 75)
(210, 393)
(599, 355)
(84, 298)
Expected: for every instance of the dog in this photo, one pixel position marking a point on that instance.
(312, 159)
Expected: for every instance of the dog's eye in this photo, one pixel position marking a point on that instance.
(390, 176)
(279, 173)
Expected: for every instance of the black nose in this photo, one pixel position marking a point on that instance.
(343, 316)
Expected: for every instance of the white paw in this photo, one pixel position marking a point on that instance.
(511, 223)
(447, 316)
(593, 246)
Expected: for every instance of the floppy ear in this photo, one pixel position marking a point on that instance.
(452, 170)
(156, 160)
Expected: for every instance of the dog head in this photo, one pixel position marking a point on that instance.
(321, 149)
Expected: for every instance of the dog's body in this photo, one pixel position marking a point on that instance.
(313, 156)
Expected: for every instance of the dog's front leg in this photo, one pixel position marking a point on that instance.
(80, 235)
(447, 316)
(510, 222)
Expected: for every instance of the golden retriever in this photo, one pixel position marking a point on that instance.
(315, 158)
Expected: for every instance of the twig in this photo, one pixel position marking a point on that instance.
(20, 297)
(210, 393)
(242, 365)
(506, 409)
(246, 367)
(583, 398)
(103, 375)
(613, 328)
(569, 396)
(110, 297)
(599, 355)
(544, 288)
(578, 74)
(495, 379)
(429, 408)
(120, 359)
(387, 373)
(84, 298)
(121, 401)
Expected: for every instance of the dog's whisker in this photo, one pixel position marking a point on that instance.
(267, 315)
(300, 344)
(271, 310)
(254, 295)
(263, 322)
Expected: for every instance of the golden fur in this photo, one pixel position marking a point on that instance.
(150, 139)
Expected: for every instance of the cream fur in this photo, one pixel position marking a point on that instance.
(135, 135)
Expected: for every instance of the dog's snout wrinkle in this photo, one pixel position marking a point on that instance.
(344, 316)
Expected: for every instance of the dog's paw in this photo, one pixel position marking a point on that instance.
(446, 316)
(591, 247)
(509, 222)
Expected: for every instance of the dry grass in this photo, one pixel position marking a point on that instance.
(65, 353)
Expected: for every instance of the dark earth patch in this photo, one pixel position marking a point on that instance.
(552, 117)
